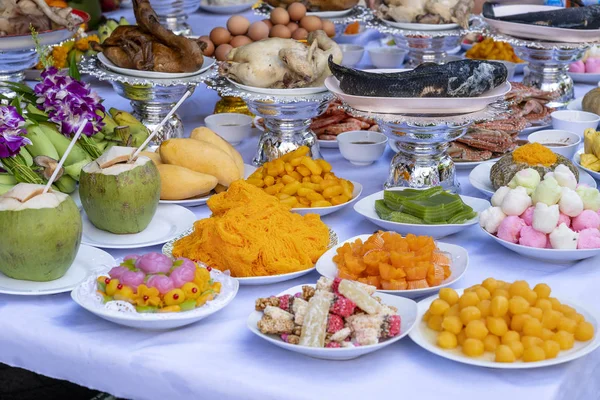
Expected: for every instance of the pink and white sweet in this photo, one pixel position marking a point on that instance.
(554, 212)
(589, 64)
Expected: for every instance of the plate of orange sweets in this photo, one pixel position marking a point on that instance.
(498, 324)
(410, 266)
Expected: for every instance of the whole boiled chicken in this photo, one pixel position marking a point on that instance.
(282, 63)
(426, 11)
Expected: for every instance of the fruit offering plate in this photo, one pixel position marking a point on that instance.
(551, 256)
(248, 170)
(123, 313)
(480, 179)
(460, 262)
(228, 9)
(407, 309)
(589, 78)
(169, 222)
(167, 250)
(426, 338)
(328, 210)
(366, 208)
(539, 32)
(208, 62)
(416, 105)
(577, 161)
(279, 92)
(87, 262)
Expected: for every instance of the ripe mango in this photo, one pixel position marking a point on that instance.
(178, 183)
(207, 135)
(155, 157)
(201, 157)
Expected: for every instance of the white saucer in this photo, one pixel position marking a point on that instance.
(366, 208)
(426, 338)
(460, 263)
(169, 222)
(576, 104)
(280, 92)
(407, 309)
(328, 210)
(208, 62)
(227, 9)
(480, 179)
(88, 260)
(330, 14)
(588, 78)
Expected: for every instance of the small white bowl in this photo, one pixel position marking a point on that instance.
(387, 57)
(232, 127)
(561, 142)
(353, 53)
(358, 153)
(574, 121)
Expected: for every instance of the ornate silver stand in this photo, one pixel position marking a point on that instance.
(173, 14)
(287, 118)
(548, 64)
(151, 99)
(422, 160)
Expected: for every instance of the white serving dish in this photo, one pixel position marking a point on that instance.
(460, 263)
(280, 92)
(551, 136)
(547, 255)
(529, 31)
(123, 313)
(352, 54)
(167, 250)
(426, 338)
(227, 9)
(87, 261)
(587, 78)
(413, 26)
(480, 179)
(417, 105)
(232, 127)
(322, 211)
(574, 121)
(387, 57)
(407, 309)
(248, 170)
(362, 154)
(330, 14)
(208, 62)
(577, 161)
(169, 221)
(366, 208)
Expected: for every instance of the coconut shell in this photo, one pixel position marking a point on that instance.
(591, 101)
(506, 168)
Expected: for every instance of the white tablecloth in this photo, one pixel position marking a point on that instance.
(219, 358)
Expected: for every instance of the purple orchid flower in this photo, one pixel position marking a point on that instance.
(11, 132)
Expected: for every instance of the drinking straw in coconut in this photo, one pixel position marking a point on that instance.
(64, 157)
(157, 128)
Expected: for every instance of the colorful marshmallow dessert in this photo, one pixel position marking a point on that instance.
(337, 313)
(555, 213)
(155, 283)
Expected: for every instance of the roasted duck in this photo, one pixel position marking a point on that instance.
(282, 63)
(426, 11)
(571, 18)
(317, 5)
(464, 78)
(16, 17)
(148, 46)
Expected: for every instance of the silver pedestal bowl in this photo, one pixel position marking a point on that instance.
(173, 14)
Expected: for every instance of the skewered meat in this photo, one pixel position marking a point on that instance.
(148, 46)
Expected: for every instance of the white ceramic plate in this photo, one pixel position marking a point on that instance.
(460, 263)
(577, 161)
(228, 9)
(547, 255)
(208, 62)
(124, 314)
(589, 78)
(280, 92)
(257, 280)
(528, 31)
(169, 221)
(417, 105)
(576, 104)
(366, 208)
(330, 14)
(407, 309)
(328, 210)
(248, 170)
(480, 179)
(88, 260)
(25, 41)
(426, 338)
(420, 27)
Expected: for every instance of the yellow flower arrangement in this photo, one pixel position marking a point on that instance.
(83, 44)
